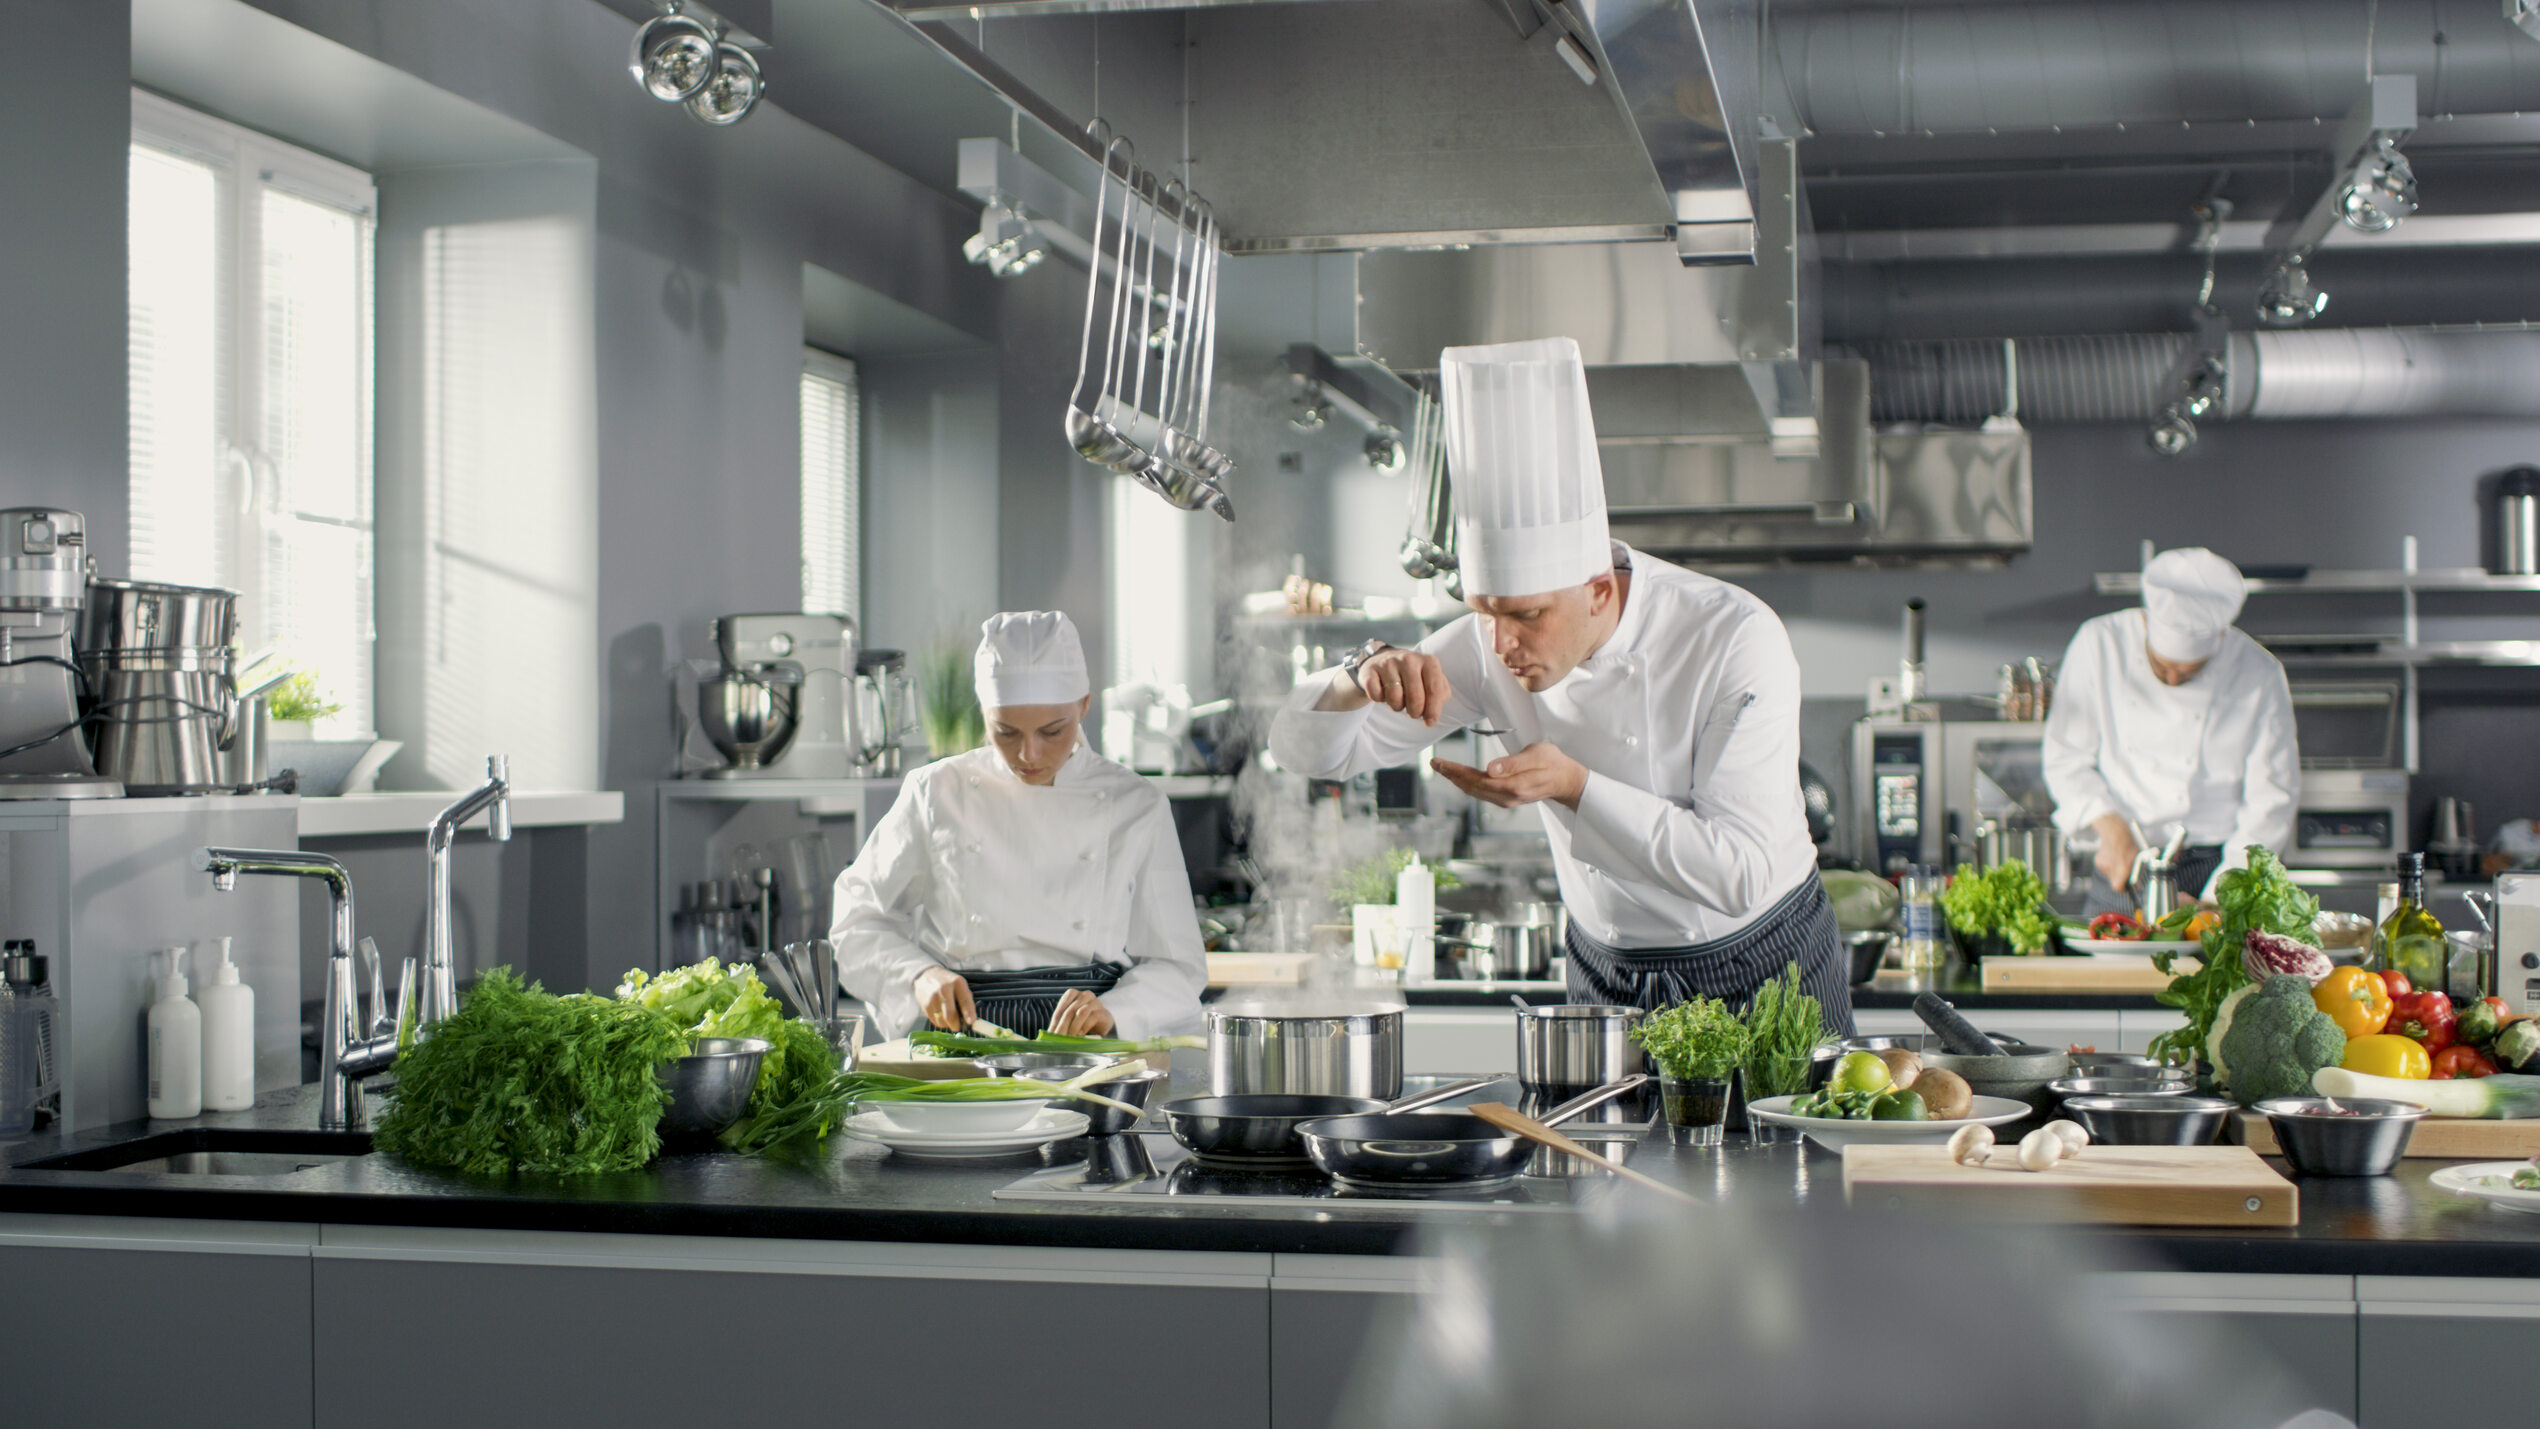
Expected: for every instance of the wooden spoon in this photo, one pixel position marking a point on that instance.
(1508, 1118)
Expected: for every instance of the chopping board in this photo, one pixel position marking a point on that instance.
(2092, 972)
(2102, 1185)
(1232, 969)
(2449, 1138)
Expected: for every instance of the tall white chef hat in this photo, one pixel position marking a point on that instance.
(1029, 657)
(1521, 448)
(2190, 596)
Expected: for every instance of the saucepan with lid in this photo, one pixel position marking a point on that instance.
(1434, 1151)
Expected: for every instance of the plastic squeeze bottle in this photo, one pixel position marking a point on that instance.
(229, 1038)
(1415, 900)
(176, 1044)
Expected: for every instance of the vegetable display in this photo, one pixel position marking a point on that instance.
(2502, 1096)
(708, 999)
(2387, 1054)
(2517, 1045)
(1696, 1041)
(2269, 1038)
(2257, 898)
(2266, 954)
(2007, 901)
(1866, 1087)
(2119, 928)
(1784, 1026)
(2355, 999)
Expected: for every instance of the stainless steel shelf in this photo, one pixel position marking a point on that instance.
(2497, 654)
(2450, 579)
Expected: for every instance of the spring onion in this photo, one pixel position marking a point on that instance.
(813, 1115)
(2502, 1096)
(959, 1044)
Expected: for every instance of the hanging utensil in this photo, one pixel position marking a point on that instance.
(1089, 426)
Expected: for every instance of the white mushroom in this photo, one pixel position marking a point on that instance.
(2075, 1135)
(2040, 1149)
(1971, 1145)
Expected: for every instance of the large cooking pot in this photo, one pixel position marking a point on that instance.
(1436, 1151)
(1339, 1048)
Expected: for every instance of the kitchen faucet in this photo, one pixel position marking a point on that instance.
(494, 798)
(349, 1049)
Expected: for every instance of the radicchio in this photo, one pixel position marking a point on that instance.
(2268, 955)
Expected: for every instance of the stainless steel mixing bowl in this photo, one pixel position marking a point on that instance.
(710, 1087)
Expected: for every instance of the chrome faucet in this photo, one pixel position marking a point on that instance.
(350, 1048)
(494, 799)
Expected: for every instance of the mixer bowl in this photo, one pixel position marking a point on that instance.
(749, 721)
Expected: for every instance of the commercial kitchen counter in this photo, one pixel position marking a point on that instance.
(1960, 982)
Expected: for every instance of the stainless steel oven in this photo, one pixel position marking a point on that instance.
(2353, 808)
(1922, 790)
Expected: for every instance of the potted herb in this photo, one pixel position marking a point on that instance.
(1697, 1046)
(951, 714)
(1784, 1027)
(293, 708)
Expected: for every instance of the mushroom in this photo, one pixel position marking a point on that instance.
(1902, 1067)
(2041, 1149)
(2075, 1135)
(1971, 1145)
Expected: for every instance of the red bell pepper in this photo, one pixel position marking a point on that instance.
(2461, 1060)
(2426, 1017)
(2121, 926)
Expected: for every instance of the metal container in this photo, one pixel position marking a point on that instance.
(750, 720)
(2040, 846)
(1866, 950)
(2119, 1064)
(2150, 1118)
(710, 1087)
(2518, 522)
(1576, 1046)
(2022, 1076)
(1102, 1120)
(141, 617)
(157, 661)
(1018, 1064)
(1342, 1049)
(2360, 1137)
(2120, 1084)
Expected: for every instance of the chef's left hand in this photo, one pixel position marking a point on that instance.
(1081, 1014)
(1537, 772)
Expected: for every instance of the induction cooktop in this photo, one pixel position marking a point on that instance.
(1151, 1169)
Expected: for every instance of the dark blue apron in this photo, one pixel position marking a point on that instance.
(1024, 1000)
(1799, 929)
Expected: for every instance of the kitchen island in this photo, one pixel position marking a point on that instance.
(364, 1290)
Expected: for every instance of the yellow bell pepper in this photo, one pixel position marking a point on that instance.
(2205, 921)
(2356, 1000)
(2384, 1054)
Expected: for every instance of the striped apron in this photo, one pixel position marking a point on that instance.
(1798, 929)
(1024, 1000)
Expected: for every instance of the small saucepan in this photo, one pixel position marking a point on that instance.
(1433, 1151)
(1260, 1128)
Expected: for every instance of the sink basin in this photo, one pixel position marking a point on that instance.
(208, 1151)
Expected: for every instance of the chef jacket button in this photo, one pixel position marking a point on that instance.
(1080, 925)
(1631, 741)
(974, 845)
(978, 918)
(1087, 856)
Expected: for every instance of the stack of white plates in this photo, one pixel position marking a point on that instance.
(1049, 1125)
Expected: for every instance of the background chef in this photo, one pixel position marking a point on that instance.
(1652, 714)
(1030, 884)
(2166, 716)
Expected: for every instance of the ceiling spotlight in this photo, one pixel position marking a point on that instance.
(1008, 244)
(2172, 433)
(733, 90)
(1384, 451)
(1312, 410)
(673, 57)
(2288, 296)
(2381, 191)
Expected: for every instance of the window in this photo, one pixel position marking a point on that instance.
(1150, 588)
(832, 582)
(250, 348)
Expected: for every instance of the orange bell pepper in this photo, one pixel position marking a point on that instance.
(2386, 1054)
(2357, 1001)
(2205, 921)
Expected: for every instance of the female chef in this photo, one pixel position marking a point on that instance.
(1031, 884)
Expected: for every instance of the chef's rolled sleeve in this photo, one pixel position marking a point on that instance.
(1168, 962)
(1328, 744)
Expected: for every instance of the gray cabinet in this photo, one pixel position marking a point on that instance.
(2475, 1339)
(1325, 1312)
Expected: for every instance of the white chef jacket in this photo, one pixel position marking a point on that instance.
(974, 870)
(1687, 718)
(2216, 754)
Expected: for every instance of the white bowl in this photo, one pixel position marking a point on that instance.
(967, 1118)
(1836, 1133)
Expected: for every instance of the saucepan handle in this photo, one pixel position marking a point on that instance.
(1590, 1101)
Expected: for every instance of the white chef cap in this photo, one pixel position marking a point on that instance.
(2190, 596)
(1029, 657)
(1521, 449)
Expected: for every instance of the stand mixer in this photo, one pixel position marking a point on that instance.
(44, 569)
(781, 707)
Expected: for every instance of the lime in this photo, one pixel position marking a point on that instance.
(1859, 1072)
(1899, 1106)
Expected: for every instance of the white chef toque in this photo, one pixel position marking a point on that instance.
(1029, 657)
(1521, 452)
(2190, 597)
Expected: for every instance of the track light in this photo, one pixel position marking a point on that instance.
(685, 59)
(1384, 451)
(2172, 433)
(1008, 244)
(734, 89)
(2289, 296)
(2381, 191)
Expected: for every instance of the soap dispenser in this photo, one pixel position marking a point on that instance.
(229, 1037)
(176, 1043)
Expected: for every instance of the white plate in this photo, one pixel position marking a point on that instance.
(1835, 1133)
(2142, 949)
(2473, 1179)
(1051, 1125)
(932, 1120)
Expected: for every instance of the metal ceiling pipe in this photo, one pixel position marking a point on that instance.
(1974, 68)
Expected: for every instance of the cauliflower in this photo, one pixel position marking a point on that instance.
(2269, 1037)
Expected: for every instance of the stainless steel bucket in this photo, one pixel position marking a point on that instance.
(1347, 1049)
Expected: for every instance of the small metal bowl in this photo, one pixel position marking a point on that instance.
(2115, 1085)
(710, 1087)
(2360, 1137)
(2150, 1119)
(1102, 1120)
(1014, 1064)
(2121, 1064)
(1867, 950)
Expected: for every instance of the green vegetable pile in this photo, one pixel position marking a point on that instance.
(708, 999)
(1695, 1041)
(2269, 1038)
(2259, 896)
(1784, 1026)
(2007, 901)
(520, 1078)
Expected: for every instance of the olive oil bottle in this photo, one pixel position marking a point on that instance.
(2410, 941)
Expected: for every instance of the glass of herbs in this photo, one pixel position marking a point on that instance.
(1783, 1027)
(1696, 1047)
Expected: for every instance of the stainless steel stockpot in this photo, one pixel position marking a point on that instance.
(1573, 1046)
(1336, 1048)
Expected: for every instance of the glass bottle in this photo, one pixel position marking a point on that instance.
(2410, 941)
(1918, 948)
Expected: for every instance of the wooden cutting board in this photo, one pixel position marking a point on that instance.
(2103, 1185)
(1235, 969)
(2448, 1138)
(2091, 972)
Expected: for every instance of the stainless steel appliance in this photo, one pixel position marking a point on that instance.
(2350, 818)
(780, 708)
(885, 712)
(1340, 1049)
(43, 586)
(1928, 791)
(1576, 1046)
(2516, 967)
(163, 708)
(2518, 522)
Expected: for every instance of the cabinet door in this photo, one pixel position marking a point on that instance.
(1317, 1338)
(2477, 1337)
(149, 1337)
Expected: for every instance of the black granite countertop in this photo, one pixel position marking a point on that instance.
(2391, 1225)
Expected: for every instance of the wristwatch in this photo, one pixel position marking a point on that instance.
(1360, 656)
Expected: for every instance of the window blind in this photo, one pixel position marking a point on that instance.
(832, 579)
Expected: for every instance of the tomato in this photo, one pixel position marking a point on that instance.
(2355, 1000)
(2461, 1061)
(2121, 926)
(2385, 1054)
(2397, 982)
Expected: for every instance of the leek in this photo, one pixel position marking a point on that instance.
(2503, 1096)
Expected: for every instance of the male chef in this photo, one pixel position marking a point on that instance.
(1652, 714)
(2167, 716)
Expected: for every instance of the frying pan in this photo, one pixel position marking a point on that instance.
(1260, 1127)
(1433, 1150)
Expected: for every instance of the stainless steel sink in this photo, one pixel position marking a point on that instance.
(208, 1151)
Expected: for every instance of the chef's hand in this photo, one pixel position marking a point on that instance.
(1411, 681)
(1081, 1014)
(1537, 772)
(945, 995)
(2117, 849)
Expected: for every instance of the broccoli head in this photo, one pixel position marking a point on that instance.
(2269, 1037)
